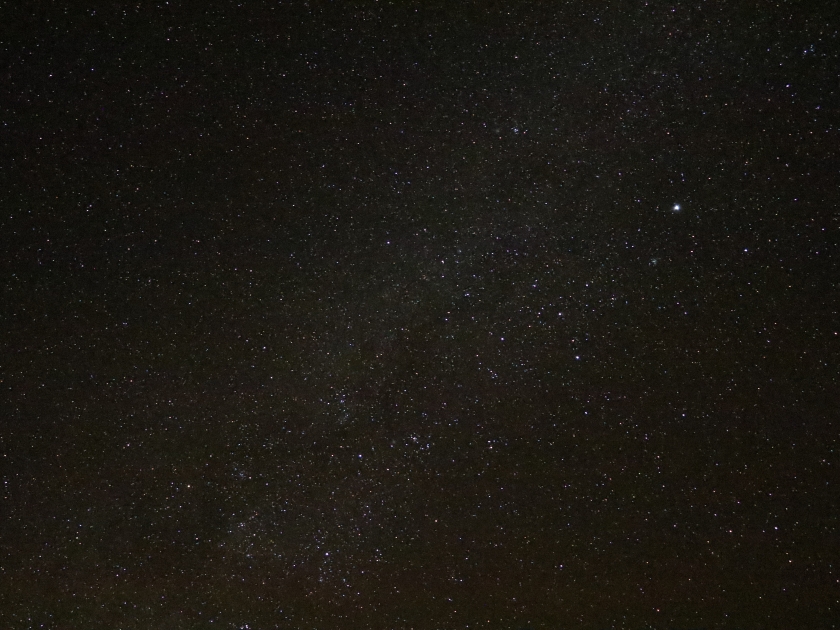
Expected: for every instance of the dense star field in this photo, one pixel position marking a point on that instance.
(429, 315)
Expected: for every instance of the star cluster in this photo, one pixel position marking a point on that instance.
(416, 315)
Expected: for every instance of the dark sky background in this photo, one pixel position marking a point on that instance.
(430, 315)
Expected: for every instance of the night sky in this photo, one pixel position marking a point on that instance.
(429, 315)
